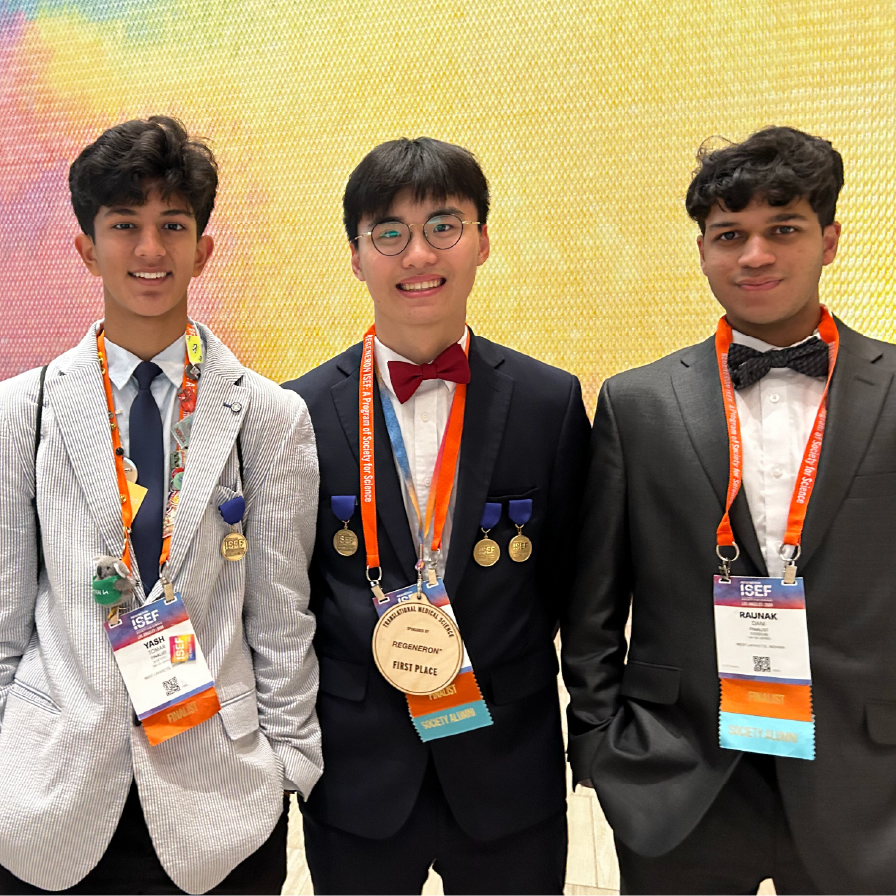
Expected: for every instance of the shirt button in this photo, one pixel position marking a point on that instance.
(427, 481)
(424, 417)
(777, 472)
(774, 398)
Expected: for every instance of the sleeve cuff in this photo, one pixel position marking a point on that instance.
(299, 772)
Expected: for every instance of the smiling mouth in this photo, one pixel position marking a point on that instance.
(147, 275)
(421, 285)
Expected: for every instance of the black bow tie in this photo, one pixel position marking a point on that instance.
(748, 366)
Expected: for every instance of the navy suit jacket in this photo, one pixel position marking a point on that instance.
(525, 436)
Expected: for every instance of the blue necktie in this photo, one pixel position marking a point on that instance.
(147, 453)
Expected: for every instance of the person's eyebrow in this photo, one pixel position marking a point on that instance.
(131, 211)
(446, 210)
(387, 219)
(775, 219)
(435, 213)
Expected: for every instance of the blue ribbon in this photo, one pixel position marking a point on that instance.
(491, 513)
(343, 507)
(520, 512)
(233, 510)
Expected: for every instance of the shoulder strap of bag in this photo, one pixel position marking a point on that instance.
(37, 428)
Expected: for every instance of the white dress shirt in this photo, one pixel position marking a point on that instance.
(776, 417)
(422, 420)
(165, 389)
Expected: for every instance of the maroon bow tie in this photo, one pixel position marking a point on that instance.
(451, 365)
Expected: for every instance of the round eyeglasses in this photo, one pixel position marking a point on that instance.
(440, 231)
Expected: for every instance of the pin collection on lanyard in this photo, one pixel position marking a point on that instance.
(113, 582)
(762, 642)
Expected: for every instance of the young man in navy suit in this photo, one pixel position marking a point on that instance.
(451, 469)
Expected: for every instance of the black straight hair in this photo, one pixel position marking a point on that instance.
(430, 169)
(130, 160)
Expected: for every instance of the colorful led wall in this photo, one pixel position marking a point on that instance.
(585, 116)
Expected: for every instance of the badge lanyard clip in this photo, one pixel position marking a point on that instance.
(725, 567)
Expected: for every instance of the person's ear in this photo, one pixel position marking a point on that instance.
(356, 261)
(831, 239)
(205, 245)
(484, 245)
(87, 250)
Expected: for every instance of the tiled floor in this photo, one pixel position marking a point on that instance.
(590, 869)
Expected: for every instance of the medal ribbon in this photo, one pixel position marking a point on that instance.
(445, 466)
(808, 471)
(187, 399)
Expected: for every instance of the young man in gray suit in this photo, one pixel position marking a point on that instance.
(718, 764)
(152, 484)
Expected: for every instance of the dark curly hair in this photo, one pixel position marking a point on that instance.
(131, 159)
(430, 169)
(776, 164)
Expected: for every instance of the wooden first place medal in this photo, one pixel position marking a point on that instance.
(417, 647)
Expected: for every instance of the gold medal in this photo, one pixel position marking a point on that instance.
(417, 647)
(130, 469)
(234, 546)
(486, 552)
(345, 541)
(520, 547)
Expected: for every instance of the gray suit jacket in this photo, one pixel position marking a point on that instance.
(68, 748)
(646, 730)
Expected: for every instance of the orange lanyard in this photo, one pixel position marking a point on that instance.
(127, 513)
(808, 471)
(444, 473)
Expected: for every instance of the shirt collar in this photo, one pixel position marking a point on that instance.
(383, 355)
(122, 363)
(759, 345)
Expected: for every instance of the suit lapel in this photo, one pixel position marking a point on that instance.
(488, 403)
(75, 394)
(391, 514)
(699, 395)
(221, 406)
(858, 389)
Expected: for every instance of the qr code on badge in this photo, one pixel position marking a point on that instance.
(171, 686)
(762, 664)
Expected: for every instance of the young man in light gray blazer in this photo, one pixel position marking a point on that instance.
(87, 802)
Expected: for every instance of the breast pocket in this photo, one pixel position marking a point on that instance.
(873, 485)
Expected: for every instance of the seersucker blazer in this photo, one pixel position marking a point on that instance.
(69, 747)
